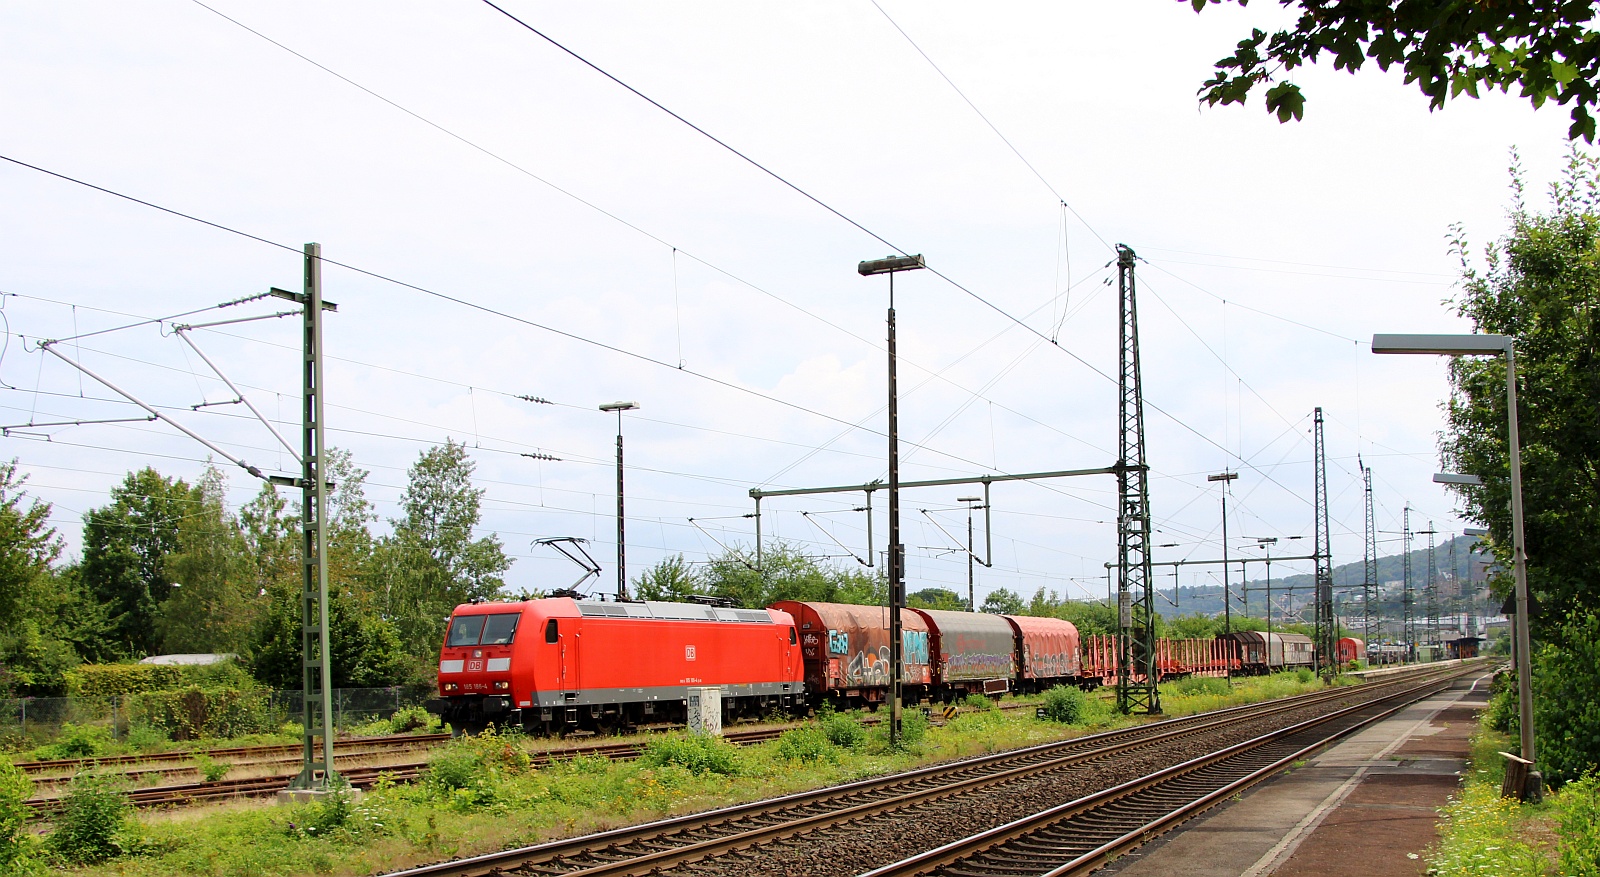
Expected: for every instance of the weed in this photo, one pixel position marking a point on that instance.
(15, 843)
(1200, 685)
(1304, 675)
(146, 738)
(413, 719)
(978, 702)
(76, 741)
(455, 767)
(844, 731)
(93, 825)
(697, 753)
(1579, 802)
(808, 744)
(211, 769)
(1066, 704)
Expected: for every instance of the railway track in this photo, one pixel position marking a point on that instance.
(363, 776)
(236, 754)
(802, 832)
(1077, 837)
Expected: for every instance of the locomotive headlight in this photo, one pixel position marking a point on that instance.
(451, 686)
(502, 685)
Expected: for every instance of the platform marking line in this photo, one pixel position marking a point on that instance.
(1283, 849)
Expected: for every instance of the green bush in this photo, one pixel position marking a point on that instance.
(808, 744)
(76, 741)
(455, 767)
(194, 712)
(696, 753)
(93, 824)
(1566, 698)
(1502, 711)
(15, 842)
(1066, 704)
(978, 702)
(1579, 803)
(413, 718)
(1304, 675)
(842, 730)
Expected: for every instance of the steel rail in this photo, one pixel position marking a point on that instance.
(638, 849)
(1080, 836)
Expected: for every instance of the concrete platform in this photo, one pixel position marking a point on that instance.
(1368, 807)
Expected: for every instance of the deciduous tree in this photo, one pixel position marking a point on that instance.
(1549, 50)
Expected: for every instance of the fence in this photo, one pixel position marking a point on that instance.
(40, 719)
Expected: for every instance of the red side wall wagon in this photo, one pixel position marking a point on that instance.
(560, 664)
(846, 652)
(1349, 650)
(1048, 652)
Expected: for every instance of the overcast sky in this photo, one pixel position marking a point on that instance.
(447, 148)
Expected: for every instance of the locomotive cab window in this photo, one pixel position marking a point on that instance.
(792, 639)
(552, 632)
(500, 629)
(488, 630)
(464, 630)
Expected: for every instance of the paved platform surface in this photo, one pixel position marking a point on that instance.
(1362, 808)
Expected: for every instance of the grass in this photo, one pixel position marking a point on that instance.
(482, 794)
(1485, 835)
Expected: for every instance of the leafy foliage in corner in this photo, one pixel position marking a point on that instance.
(1548, 49)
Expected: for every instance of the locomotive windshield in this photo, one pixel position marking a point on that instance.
(487, 630)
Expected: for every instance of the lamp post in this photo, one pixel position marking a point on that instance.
(897, 551)
(622, 544)
(972, 605)
(1227, 602)
(1496, 345)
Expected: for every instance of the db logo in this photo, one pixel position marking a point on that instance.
(474, 665)
(688, 653)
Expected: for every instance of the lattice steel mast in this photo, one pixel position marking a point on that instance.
(1408, 624)
(1369, 558)
(1326, 625)
(1432, 591)
(1136, 654)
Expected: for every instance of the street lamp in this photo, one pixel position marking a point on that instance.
(972, 605)
(1227, 602)
(1496, 345)
(897, 552)
(622, 545)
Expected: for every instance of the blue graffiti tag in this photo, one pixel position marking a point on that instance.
(838, 642)
(915, 643)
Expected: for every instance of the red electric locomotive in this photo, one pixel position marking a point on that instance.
(562, 665)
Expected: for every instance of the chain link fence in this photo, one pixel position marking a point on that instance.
(39, 720)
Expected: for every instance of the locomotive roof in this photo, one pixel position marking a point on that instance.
(651, 609)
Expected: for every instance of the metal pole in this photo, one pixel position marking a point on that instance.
(972, 605)
(897, 586)
(1227, 599)
(758, 534)
(1534, 788)
(622, 543)
(1269, 588)
(316, 669)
